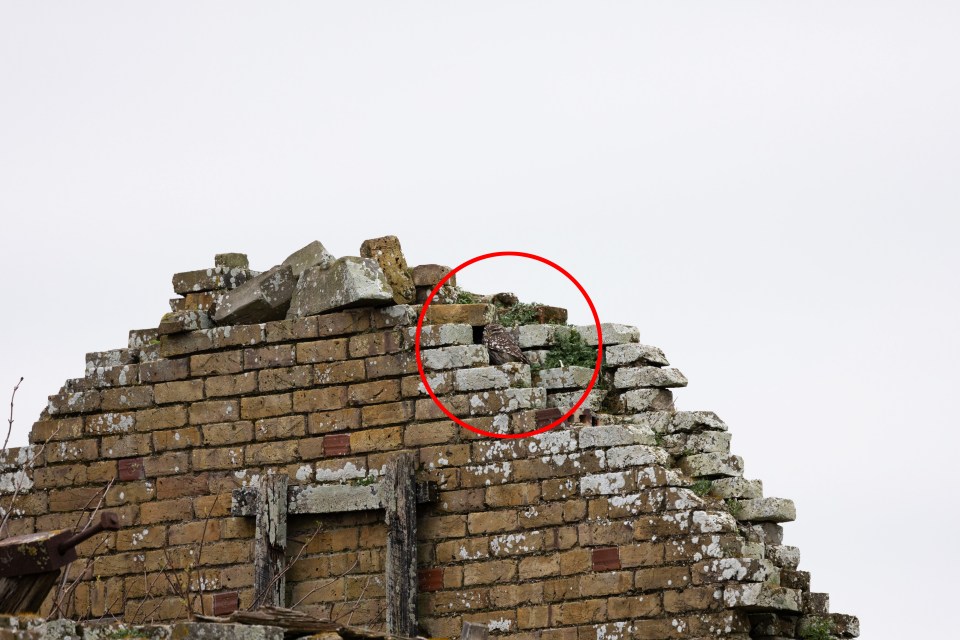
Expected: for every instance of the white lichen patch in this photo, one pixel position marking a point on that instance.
(511, 544)
(494, 469)
(603, 484)
(348, 471)
(501, 624)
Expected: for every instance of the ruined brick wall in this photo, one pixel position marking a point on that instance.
(630, 521)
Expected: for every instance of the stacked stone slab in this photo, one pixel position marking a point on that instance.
(639, 526)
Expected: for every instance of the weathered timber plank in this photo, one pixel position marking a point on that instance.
(270, 541)
(400, 502)
(319, 499)
(25, 594)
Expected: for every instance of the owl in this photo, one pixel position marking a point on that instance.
(502, 345)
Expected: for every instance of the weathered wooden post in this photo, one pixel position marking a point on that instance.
(400, 502)
(271, 541)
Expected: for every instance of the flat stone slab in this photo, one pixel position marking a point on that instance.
(218, 631)
(631, 353)
(262, 299)
(348, 282)
(767, 510)
(613, 435)
(696, 422)
(734, 570)
(762, 597)
(213, 279)
(312, 255)
(476, 315)
(648, 377)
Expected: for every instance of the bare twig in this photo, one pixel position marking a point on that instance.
(325, 584)
(147, 590)
(62, 591)
(10, 419)
(356, 602)
(258, 600)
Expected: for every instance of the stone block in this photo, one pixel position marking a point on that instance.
(428, 275)
(210, 279)
(348, 282)
(634, 377)
(635, 400)
(218, 631)
(735, 570)
(565, 400)
(180, 321)
(632, 353)
(260, 299)
(475, 315)
(388, 254)
(767, 510)
(736, 488)
(565, 378)
(107, 359)
(615, 435)
(636, 456)
(784, 555)
(531, 336)
(440, 335)
(312, 255)
(231, 261)
(695, 422)
(612, 334)
(512, 374)
(711, 465)
(762, 597)
(455, 357)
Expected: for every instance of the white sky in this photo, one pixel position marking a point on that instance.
(768, 190)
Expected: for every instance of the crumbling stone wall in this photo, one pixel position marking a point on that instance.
(633, 520)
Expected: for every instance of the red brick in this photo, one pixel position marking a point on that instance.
(430, 579)
(336, 445)
(606, 559)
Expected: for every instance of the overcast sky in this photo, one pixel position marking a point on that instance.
(769, 190)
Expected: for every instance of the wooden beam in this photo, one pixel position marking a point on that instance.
(400, 502)
(269, 552)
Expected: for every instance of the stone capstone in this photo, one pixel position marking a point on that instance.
(312, 255)
(428, 275)
(262, 299)
(348, 282)
(213, 279)
(231, 260)
(388, 254)
(180, 321)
